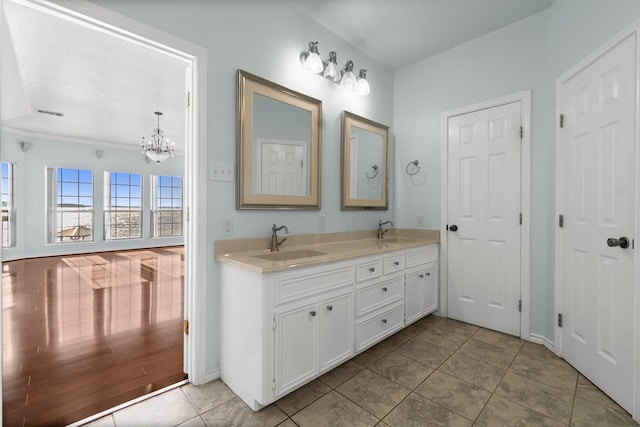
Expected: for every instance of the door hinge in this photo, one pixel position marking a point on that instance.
(188, 99)
(560, 220)
(521, 132)
(274, 384)
(520, 305)
(560, 320)
(186, 327)
(520, 219)
(561, 120)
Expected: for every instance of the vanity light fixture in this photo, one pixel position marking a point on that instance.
(348, 80)
(310, 60)
(362, 85)
(157, 148)
(331, 70)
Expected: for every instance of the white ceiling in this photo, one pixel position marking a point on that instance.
(108, 89)
(398, 33)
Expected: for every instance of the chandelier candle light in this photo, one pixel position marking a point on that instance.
(346, 78)
(157, 148)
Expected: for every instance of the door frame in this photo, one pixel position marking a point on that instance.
(103, 20)
(631, 30)
(524, 98)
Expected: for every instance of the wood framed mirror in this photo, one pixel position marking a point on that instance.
(365, 146)
(279, 146)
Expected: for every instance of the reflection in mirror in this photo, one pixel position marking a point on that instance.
(364, 163)
(278, 146)
(281, 144)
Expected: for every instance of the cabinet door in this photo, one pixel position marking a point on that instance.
(431, 287)
(413, 296)
(297, 346)
(337, 330)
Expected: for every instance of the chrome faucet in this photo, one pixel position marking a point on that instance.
(380, 230)
(274, 237)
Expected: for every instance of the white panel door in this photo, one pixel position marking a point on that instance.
(484, 149)
(597, 171)
(283, 169)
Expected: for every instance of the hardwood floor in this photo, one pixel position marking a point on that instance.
(84, 333)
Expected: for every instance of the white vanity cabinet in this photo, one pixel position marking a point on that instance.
(421, 283)
(311, 337)
(279, 330)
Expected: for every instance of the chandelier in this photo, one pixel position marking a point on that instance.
(157, 148)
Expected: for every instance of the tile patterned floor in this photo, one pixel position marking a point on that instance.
(436, 372)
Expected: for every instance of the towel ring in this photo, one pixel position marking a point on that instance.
(375, 172)
(415, 169)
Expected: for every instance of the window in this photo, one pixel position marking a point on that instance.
(8, 207)
(123, 205)
(166, 205)
(70, 205)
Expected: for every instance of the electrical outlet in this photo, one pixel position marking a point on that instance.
(421, 220)
(227, 227)
(321, 222)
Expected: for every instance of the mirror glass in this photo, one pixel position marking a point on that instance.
(278, 146)
(364, 163)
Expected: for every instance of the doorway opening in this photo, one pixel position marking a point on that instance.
(102, 21)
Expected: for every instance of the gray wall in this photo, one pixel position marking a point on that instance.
(265, 38)
(30, 191)
(529, 54)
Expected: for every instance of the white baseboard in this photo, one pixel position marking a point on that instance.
(539, 339)
(212, 375)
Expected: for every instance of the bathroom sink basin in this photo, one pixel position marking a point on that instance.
(289, 255)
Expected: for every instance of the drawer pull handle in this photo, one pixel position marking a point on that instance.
(384, 320)
(372, 269)
(428, 274)
(384, 289)
(397, 263)
(329, 307)
(312, 313)
(421, 276)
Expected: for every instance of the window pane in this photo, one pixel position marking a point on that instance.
(74, 205)
(124, 206)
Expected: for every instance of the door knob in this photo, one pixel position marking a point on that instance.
(312, 313)
(623, 242)
(453, 227)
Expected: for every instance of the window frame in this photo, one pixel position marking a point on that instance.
(109, 209)
(156, 203)
(10, 234)
(55, 221)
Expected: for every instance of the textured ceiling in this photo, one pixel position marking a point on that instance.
(106, 88)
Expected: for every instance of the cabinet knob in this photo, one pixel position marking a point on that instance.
(428, 274)
(329, 307)
(384, 320)
(421, 276)
(312, 313)
(372, 269)
(397, 263)
(384, 289)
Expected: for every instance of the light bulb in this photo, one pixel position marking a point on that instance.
(331, 71)
(348, 78)
(312, 62)
(362, 86)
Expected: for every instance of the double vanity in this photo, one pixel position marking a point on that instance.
(291, 315)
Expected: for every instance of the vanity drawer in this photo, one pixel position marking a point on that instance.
(368, 269)
(376, 327)
(292, 285)
(371, 297)
(421, 255)
(392, 263)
